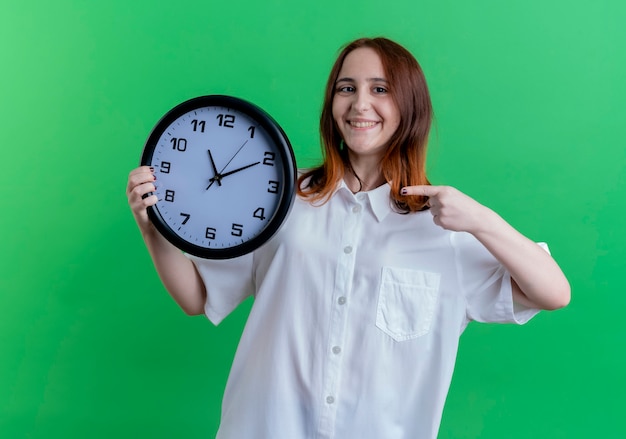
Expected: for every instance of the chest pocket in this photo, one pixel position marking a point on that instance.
(407, 300)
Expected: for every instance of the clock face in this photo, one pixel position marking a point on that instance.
(225, 176)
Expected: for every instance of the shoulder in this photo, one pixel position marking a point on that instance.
(302, 171)
(303, 177)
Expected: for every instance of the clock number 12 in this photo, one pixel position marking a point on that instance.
(226, 120)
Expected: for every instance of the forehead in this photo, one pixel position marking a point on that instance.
(362, 62)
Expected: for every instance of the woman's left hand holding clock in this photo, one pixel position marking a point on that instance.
(176, 271)
(141, 182)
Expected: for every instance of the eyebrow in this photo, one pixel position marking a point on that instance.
(368, 79)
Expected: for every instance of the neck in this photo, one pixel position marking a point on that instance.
(363, 179)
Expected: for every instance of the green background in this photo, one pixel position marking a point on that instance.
(529, 100)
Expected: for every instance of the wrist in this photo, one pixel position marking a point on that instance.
(487, 222)
(148, 231)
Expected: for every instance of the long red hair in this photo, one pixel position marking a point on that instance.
(404, 162)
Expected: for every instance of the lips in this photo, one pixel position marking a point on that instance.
(362, 124)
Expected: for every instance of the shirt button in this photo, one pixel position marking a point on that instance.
(330, 399)
(347, 249)
(360, 197)
(356, 209)
(336, 350)
(341, 300)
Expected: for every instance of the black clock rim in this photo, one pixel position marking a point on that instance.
(287, 196)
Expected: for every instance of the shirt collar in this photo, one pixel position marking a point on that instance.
(378, 198)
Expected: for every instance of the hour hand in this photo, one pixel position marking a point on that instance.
(217, 176)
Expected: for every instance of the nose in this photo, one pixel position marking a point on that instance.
(361, 101)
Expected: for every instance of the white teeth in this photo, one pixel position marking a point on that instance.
(362, 124)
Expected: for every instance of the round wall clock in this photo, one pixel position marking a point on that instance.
(225, 173)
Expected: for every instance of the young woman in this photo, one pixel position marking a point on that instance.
(362, 295)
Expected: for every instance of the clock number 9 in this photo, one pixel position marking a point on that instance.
(165, 167)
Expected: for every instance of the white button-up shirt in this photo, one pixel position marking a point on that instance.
(355, 324)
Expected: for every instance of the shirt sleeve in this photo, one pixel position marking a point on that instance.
(486, 284)
(227, 282)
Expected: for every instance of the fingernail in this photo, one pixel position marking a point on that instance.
(151, 169)
(403, 191)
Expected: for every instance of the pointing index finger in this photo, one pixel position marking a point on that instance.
(423, 189)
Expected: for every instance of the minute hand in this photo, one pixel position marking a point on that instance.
(220, 176)
(239, 169)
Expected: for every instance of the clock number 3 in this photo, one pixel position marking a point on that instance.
(273, 187)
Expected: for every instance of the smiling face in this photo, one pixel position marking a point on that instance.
(364, 111)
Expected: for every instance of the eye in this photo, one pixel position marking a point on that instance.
(345, 89)
(380, 90)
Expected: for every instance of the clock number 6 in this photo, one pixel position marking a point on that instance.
(210, 233)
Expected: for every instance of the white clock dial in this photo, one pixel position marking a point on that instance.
(223, 179)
